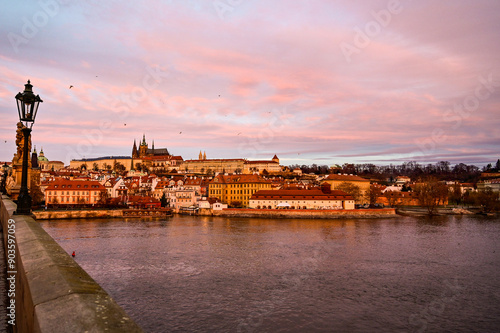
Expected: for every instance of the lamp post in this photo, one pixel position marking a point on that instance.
(27, 106)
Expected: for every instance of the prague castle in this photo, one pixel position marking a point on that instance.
(151, 158)
(160, 159)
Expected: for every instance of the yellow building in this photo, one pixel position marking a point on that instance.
(231, 165)
(364, 185)
(104, 163)
(233, 189)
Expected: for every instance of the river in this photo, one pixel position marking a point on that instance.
(206, 274)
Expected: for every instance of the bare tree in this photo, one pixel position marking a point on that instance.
(351, 189)
(430, 194)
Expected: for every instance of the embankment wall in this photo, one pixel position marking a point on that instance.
(306, 213)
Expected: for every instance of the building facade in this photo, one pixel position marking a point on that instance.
(272, 166)
(236, 189)
(213, 166)
(334, 180)
(301, 199)
(74, 192)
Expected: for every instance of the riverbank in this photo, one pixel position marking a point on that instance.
(101, 214)
(246, 212)
(230, 212)
(306, 213)
(422, 211)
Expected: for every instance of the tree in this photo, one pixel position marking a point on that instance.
(119, 167)
(36, 192)
(375, 192)
(236, 204)
(103, 198)
(163, 200)
(487, 199)
(455, 194)
(430, 194)
(95, 167)
(392, 198)
(351, 189)
(349, 168)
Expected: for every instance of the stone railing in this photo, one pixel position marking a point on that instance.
(52, 292)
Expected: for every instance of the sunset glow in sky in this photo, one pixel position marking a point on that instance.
(315, 81)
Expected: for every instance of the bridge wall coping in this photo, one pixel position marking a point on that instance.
(53, 293)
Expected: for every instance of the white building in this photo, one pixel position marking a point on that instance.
(301, 199)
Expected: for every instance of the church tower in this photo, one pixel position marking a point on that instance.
(276, 159)
(200, 156)
(135, 152)
(143, 148)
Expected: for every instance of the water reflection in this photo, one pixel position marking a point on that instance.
(214, 274)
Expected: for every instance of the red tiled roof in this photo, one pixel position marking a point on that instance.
(346, 178)
(260, 162)
(64, 184)
(192, 182)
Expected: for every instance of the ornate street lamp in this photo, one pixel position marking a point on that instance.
(27, 106)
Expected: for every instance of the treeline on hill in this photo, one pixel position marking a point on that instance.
(441, 170)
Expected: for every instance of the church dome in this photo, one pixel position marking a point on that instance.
(42, 157)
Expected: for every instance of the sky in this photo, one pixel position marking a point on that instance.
(318, 81)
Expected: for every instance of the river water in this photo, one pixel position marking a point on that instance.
(205, 274)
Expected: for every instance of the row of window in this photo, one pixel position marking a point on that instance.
(238, 185)
(69, 199)
(293, 202)
(77, 186)
(67, 193)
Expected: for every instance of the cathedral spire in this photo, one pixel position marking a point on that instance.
(135, 151)
(200, 156)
